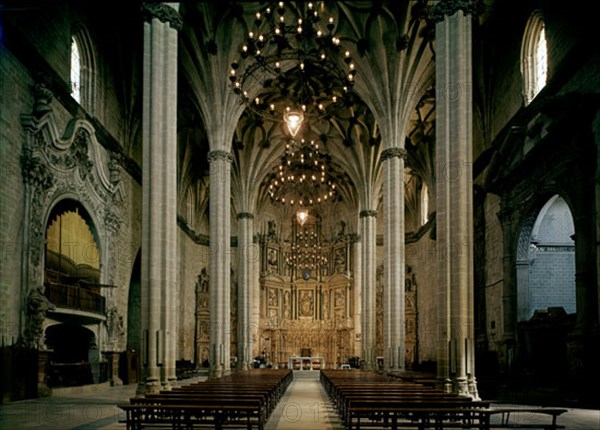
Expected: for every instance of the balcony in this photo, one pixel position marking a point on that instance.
(75, 297)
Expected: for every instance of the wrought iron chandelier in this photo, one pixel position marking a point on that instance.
(291, 65)
(302, 177)
(306, 253)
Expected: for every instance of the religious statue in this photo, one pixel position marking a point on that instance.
(203, 280)
(286, 305)
(115, 325)
(306, 303)
(37, 306)
(272, 297)
(341, 235)
(272, 260)
(340, 260)
(272, 231)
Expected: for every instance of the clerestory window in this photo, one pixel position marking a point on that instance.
(534, 57)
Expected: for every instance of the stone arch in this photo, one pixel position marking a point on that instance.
(66, 200)
(527, 245)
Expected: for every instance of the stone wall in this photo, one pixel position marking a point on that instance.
(15, 87)
(45, 133)
(421, 257)
(193, 257)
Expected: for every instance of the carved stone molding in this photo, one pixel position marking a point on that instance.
(393, 153)
(164, 13)
(219, 155)
(112, 221)
(525, 237)
(245, 215)
(446, 8)
(43, 96)
(354, 237)
(37, 307)
(367, 213)
(58, 164)
(35, 173)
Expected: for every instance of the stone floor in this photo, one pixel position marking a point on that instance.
(304, 406)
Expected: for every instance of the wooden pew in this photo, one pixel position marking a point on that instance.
(242, 400)
(369, 400)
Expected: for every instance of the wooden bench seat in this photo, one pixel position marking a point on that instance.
(241, 401)
(507, 413)
(221, 416)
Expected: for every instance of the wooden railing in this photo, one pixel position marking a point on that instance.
(75, 297)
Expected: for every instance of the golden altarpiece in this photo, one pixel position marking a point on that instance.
(306, 294)
(307, 297)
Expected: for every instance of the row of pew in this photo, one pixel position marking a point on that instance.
(241, 400)
(369, 400)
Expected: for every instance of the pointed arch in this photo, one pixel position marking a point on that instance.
(534, 57)
(83, 68)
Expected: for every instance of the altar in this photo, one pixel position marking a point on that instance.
(306, 363)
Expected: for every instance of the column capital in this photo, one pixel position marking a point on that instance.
(445, 8)
(393, 153)
(164, 13)
(219, 155)
(368, 213)
(245, 215)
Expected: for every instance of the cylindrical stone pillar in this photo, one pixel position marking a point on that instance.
(454, 154)
(159, 193)
(246, 257)
(368, 234)
(393, 265)
(220, 262)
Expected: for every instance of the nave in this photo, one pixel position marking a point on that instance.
(304, 405)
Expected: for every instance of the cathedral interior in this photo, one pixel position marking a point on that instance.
(220, 186)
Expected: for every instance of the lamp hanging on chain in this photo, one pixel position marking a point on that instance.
(292, 66)
(303, 177)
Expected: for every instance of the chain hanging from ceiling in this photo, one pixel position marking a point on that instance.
(291, 65)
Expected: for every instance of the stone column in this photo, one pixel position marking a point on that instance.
(509, 290)
(368, 234)
(246, 257)
(159, 192)
(112, 358)
(358, 297)
(220, 261)
(454, 153)
(393, 265)
(596, 139)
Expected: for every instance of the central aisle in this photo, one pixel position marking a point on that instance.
(305, 406)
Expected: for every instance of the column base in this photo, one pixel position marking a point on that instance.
(113, 367)
(472, 387)
(147, 387)
(460, 386)
(444, 384)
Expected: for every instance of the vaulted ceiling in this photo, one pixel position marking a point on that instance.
(391, 46)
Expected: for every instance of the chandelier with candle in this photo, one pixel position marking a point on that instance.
(306, 257)
(302, 178)
(292, 65)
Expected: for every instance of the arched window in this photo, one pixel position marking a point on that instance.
(75, 71)
(83, 69)
(534, 57)
(424, 204)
